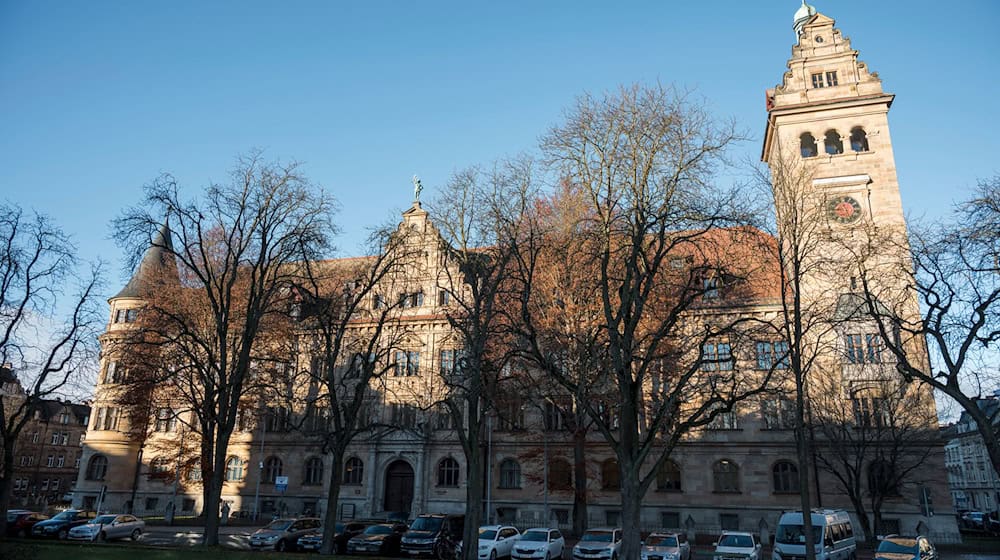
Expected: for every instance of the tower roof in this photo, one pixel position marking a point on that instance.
(801, 16)
(157, 260)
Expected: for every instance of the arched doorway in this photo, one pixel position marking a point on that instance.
(398, 487)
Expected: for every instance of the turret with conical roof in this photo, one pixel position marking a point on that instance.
(157, 262)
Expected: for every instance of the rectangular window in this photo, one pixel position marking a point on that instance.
(670, 520)
(407, 364)
(716, 357)
(403, 415)
(444, 297)
(831, 79)
(166, 421)
(772, 355)
(554, 416)
(55, 438)
(778, 414)
(61, 461)
(725, 421)
(64, 418)
(187, 504)
(510, 415)
(76, 463)
(377, 302)
(50, 461)
(612, 518)
(729, 521)
(863, 348)
(65, 439)
(131, 315)
(119, 315)
(710, 288)
(151, 503)
(873, 348)
(854, 350)
(45, 484)
(817, 80)
(55, 484)
(447, 361)
(24, 460)
(34, 437)
(562, 516)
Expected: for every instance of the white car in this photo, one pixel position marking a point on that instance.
(107, 527)
(542, 543)
(497, 541)
(666, 546)
(737, 545)
(604, 542)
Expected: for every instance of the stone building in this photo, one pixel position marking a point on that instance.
(830, 113)
(973, 481)
(48, 451)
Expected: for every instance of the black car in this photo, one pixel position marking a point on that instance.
(344, 532)
(60, 525)
(895, 547)
(20, 522)
(433, 535)
(381, 539)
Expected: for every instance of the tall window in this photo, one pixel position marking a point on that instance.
(786, 477)
(444, 297)
(560, 475)
(668, 478)
(97, 467)
(510, 415)
(159, 466)
(778, 413)
(448, 360)
(403, 415)
(870, 411)
(807, 145)
(817, 80)
(859, 139)
(725, 421)
(354, 471)
(107, 418)
(407, 364)
(834, 145)
(273, 468)
(716, 357)
(863, 348)
(314, 472)
(447, 472)
(276, 419)
(710, 288)
(726, 476)
(166, 420)
(234, 469)
(772, 355)
(610, 475)
(831, 78)
(510, 474)
(555, 418)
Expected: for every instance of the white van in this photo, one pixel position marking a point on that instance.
(832, 530)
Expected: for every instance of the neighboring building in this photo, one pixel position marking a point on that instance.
(739, 473)
(47, 453)
(973, 481)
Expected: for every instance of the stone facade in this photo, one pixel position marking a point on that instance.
(974, 483)
(726, 477)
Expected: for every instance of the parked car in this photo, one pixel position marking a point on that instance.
(497, 541)
(895, 547)
(539, 543)
(381, 539)
(666, 546)
(282, 534)
(20, 522)
(832, 528)
(107, 527)
(433, 535)
(343, 532)
(603, 542)
(992, 522)
(737, 545)
(975, 520)
(60, 525)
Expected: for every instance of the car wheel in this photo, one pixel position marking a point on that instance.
(62, 534)
(281, 546)
(548, 555)
(136, 534)
(341, 548)
(102, 536)
(493, 554)
(21, 533)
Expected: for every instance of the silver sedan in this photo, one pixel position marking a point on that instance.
(107, 527)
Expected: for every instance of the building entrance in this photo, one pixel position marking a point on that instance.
(398, 487)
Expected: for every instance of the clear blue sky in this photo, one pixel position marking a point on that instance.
(99, 97)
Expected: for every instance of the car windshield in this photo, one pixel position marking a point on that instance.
(792, 534)
(487, 534)
(102, 520)
(535, 536)
(596, 536)
(738, 541)
(898, 546)
(661, 540)
(279, 525)
(378, 530)
(65, 515)
(426, 524)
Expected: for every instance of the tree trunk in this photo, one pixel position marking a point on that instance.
(866, 522)
(8, 473)
(213, 495)
(579, 482)
(631, 508)
(332, 498)
(802, 451)
(473, 499)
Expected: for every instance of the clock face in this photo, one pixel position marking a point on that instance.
(844, 209)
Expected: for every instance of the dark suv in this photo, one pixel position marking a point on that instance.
(60, 525)
(433, 535)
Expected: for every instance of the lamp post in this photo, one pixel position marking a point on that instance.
(489, 469)
(545, 457)
(260, 470)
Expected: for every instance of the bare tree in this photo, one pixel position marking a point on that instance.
(350, 319)
(650, 240)
(952, 269)
(481, 216)
(40, 277)
(237, 249)
(872, 439)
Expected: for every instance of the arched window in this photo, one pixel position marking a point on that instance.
(610, 475)
(314, 472)
(448, 472)
(510, 474)
(97, 467)
(834, 145)
(354, 471)
(668, 478)
(726, 476)
(560, 475)
(786, 477)
(807, 145)
(273, 468)
(859, 140)
(234, 469)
